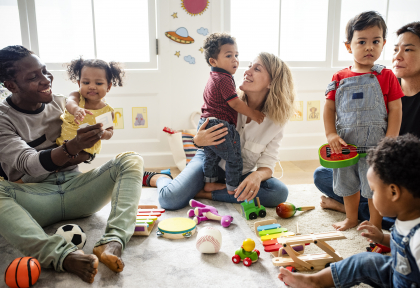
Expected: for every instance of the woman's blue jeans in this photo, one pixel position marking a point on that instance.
(176, 194)
(323, 179)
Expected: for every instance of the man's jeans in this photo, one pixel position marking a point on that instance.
(26, 208)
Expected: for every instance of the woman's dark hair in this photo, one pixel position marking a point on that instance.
(213, 43)
(397, 161)
(114, 71)
(8, 56)
(363, 21)
(413, 27)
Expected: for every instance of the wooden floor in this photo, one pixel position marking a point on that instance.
(294, 172)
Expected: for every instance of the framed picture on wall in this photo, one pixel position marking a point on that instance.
(118, 118)
(140, 117)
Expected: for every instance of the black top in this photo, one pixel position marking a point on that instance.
(411, 115)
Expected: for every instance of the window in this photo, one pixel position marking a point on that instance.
(309, 33)
(59, 31)
(9, 14)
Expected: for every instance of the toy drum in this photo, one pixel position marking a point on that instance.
(176, 228)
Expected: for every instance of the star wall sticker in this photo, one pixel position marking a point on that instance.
(177, 53)
(175, 15)
(201, 49)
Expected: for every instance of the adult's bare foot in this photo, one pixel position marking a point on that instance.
(210, 187)
(346, 224)
(329, 203)
(84, 266)
(110, 255)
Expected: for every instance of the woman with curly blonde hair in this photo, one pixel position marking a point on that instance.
(268, 87)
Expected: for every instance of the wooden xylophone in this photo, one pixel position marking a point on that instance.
(146, 218)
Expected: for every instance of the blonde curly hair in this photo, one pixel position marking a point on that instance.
(280, 100)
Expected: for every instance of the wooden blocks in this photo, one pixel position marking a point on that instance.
(146, 218)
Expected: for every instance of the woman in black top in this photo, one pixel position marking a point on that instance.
(406, 64)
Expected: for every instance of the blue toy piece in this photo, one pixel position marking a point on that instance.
(167, 171)
(268, 227)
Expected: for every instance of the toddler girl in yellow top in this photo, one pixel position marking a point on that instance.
(95, 78)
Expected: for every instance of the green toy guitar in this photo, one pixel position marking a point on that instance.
(349, 156)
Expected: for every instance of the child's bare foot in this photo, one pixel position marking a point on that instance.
(231, 192)
(203, 194)
(329, 203)
(110, 255)
(210, 187)
(84, 266)
(295, 279)
(346, 224)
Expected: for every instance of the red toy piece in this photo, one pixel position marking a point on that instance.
(169, 130)
(378, 248)
(291, 269)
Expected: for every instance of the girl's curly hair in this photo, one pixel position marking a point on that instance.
(397, 161)
(213, 43)
(8, 56)
(114, 71)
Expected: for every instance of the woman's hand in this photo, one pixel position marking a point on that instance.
(249, 188)
(211, 136)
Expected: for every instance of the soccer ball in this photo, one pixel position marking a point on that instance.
(73, 233)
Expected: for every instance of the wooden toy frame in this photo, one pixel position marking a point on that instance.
(305, 262)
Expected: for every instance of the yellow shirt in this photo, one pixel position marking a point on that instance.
(69, 127)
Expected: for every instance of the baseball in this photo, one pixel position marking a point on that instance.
(209, 240)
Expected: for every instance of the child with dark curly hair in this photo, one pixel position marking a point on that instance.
(393, 176)
(95, 78)
(221, 105)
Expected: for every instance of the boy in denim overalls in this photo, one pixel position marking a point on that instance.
(221, 105)
(366, 98)
(394, 177)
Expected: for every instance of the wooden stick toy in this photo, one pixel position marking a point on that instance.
(297, 229)
(146, 218)
(287, 210)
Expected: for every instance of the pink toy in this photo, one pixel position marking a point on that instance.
(204, 212)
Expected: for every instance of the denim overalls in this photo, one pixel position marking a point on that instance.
(406, 272)
(397, 271)
(362, 121)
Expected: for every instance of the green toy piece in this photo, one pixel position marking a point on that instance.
(250, 211)
(246, 253)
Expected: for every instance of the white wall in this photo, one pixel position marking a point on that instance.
(173, 91)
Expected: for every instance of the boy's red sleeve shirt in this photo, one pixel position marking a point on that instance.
(390, 87)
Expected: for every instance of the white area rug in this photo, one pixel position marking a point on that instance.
(157, 262)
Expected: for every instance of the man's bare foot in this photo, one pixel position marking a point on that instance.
(329, 203)
(84, 266)
(345, 225)
(295, 279)
(110, 255)
(210, 187)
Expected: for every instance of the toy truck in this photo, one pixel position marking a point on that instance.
(250, 211)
